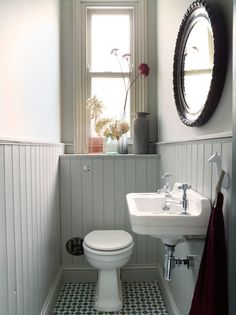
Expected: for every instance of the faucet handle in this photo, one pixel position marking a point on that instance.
(184, 200)
(166, 176)
(184, 187)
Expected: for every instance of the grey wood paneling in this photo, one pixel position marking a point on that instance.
(95, 199)
(76, 202)
(10, 230)
(188, 162)
(29, 225)
(3, 238)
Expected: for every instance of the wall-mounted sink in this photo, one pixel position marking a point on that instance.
(148, 217)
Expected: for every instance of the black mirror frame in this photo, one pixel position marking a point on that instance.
(215, 18)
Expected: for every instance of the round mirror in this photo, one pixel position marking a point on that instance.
(200, 63)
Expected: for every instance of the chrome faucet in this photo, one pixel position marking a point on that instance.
(165, 189)
(169, 198)
(184, 202)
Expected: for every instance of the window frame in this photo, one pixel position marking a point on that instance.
(80, 68)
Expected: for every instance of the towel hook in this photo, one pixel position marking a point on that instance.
(217, 160)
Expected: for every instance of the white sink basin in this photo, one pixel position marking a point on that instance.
(148, 217)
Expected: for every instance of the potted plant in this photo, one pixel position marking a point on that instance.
(112, 130)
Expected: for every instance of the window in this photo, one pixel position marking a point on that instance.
(107, 74)
(99, 27)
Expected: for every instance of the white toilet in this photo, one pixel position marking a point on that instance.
(108, 250)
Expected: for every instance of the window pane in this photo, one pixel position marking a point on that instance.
(108, 32)
(111, 92)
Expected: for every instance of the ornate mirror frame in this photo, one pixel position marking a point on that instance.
(213, 15)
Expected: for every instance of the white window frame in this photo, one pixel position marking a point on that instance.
(139, 98)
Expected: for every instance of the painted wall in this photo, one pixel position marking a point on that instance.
(187, 162)
(67, 122)
(169, 17)
(95, 199)
(29, 175)
(29, 76)
(30, 253)
(67, 70)
(232, 243)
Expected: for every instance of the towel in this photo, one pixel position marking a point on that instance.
(211, 291)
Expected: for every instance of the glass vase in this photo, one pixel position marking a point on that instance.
(123, 144)
(95, 144)
(111, 146)
(123, 141)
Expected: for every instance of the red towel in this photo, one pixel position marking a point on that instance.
(211, 291)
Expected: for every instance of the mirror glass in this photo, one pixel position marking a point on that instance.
(199, 63)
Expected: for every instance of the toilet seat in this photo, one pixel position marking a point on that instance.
(108, 240)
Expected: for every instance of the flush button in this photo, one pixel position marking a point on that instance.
(86, 168)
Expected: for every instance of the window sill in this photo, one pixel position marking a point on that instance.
(69, 149)
(112, 156)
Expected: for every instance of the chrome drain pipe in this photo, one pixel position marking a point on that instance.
(170, 261)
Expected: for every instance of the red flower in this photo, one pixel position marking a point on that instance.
(144, 69)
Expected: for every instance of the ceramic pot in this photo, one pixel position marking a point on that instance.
(141, 133)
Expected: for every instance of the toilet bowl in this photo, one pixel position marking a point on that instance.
(108, 251)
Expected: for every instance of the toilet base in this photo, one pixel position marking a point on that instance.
(108, 291)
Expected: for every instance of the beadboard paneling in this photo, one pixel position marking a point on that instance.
(188, 162)
(29, 225)
(95, 199)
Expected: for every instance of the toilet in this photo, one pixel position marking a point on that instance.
(108, 251)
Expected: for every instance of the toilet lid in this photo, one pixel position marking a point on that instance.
(108, 239)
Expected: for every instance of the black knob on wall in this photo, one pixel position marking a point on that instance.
(74, 246)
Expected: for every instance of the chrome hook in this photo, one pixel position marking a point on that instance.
(217, 160)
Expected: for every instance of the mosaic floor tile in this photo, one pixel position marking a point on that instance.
(139, 298)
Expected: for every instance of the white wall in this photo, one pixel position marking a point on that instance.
(169, 17)
(29, 76)
(29, 175)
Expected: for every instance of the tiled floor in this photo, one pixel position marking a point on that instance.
(139, 298)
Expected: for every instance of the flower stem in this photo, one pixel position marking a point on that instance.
(123, 76)
(127, 92)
